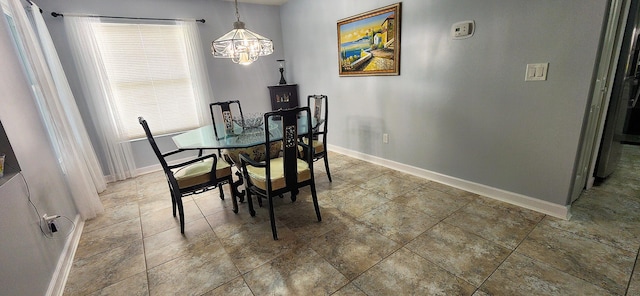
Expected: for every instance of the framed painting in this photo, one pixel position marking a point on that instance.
(369, 43)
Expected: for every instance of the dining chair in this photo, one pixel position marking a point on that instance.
(194, 176)
(318, 104)
(224, 111)
(284, 174)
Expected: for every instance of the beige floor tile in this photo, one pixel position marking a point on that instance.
(465, 255)
(226, 223)
(448, 189)
(434, 203)
(110, 200)
(171, 244)
(93, 273)
(301, 218)
(324, 187)
(135, 285)
(107, 238)
(151, 179)
(360, 172)
(520, 275)
(419, 181)
(252, 244)
(354, 201)
(160, 191)
(388, 185)
(299, 272)
(235, 287)
(155, 221)
(200, 271)
(349, 290)
(234, 254)
(634, 284)
(405, 273)
(620, 183)
(600, 224)
(210, 202)
(496, 224)
(150, 203)
(114, 215)
(597, 263)
(397, 221)
(352, 249)
(128, 186)
(509, 209)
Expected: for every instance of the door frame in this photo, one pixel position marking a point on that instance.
(600, 96)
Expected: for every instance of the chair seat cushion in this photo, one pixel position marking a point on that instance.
(258, 175)
(318, 146)
(256, 153)
(199, 173)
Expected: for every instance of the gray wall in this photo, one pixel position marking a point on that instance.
(27, 259)
(228, 81)
(460, 107)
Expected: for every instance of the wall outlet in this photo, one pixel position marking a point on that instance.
(48, 223)
(385, 138)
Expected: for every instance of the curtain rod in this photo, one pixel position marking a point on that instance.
(31, 3)
(55, 14)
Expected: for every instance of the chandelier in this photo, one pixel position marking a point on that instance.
(241, 45)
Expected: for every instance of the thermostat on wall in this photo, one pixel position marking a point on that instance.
(462, 30)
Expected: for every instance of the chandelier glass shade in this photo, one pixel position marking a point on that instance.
(241, 45)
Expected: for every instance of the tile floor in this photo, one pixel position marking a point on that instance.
(383, 233)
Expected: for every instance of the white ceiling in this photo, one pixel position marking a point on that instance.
(264, 2)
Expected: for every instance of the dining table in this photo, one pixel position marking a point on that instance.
(236, 136)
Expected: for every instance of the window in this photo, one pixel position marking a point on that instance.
(148, 71)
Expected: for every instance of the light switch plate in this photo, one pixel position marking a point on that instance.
(536, 72)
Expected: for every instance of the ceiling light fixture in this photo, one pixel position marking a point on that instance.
(241, 45)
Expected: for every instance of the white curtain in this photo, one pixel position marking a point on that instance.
(97, 92)
(58, 108)
(199, 74)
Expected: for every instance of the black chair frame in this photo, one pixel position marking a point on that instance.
(290, 153)
(320, 129)
(174, 189)
(225, 108)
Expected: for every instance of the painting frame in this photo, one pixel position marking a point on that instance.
(369, 42)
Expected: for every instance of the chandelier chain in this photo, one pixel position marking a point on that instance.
(237, 13)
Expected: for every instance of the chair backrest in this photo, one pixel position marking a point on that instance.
(152, 141)
(319, 107)
(224, 112)
(291, 124)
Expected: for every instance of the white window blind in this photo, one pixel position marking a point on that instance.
(149, 75)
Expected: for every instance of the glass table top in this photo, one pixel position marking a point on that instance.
(205, 137)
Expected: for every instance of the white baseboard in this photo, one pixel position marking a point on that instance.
(531, 203)
(59, 278)
(148, 169)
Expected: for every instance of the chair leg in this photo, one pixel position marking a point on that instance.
(326, 166)
(314, 196)
(236, 184)
(181, 213)
(221, 191)
(252, 212)
(272, 218)
(173, 199)
(234, 198)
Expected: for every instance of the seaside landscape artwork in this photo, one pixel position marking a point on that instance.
(369, 43)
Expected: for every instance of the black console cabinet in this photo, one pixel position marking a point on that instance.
(283, 96)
